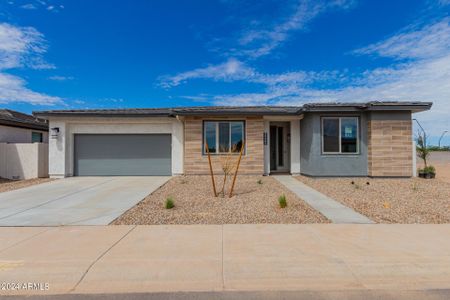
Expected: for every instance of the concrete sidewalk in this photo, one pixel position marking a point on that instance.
(142, 259)
(333, 210)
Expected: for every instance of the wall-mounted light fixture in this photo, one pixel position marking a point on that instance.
(54, 132)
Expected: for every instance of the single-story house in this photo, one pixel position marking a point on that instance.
(322, 139)
(17, 127)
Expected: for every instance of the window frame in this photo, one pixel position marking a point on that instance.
(41, 140)
(244, 128)
(358, 138)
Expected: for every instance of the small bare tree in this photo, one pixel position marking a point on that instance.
(210, 168)
(228, 165)
(237, 168)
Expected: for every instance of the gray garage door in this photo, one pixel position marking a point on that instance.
(122, 154)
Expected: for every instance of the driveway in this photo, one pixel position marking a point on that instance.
(75, 200)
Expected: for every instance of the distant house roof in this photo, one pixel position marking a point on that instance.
(17, 119)
(242, 110)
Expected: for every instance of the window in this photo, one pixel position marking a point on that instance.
(340, 135)
(223, 136)
(36, 137)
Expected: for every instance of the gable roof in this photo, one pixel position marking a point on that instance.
(17, 119)
(241, 110)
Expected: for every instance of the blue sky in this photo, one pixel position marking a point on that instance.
(105, 54)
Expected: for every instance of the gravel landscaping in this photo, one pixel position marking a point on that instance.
(7, 185)
(389, 200)
(195, 204)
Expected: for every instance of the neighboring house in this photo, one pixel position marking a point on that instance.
(17, 127)
(23, 145)
(325, 139)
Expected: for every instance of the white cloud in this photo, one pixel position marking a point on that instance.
(228, 71)
(443, 2)
(260, 41)
(60, 78)
(22, 47)
(428, 42)
(13, 89)
(112, 100)
(235, 70)
(38, 4)
(29, 6)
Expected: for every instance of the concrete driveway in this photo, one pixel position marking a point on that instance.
(75, 200)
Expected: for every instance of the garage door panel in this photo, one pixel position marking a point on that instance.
(122, 154)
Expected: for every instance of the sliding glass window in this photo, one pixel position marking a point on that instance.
(223, 136)
(340, 135)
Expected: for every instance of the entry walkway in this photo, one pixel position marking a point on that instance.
(333, 210)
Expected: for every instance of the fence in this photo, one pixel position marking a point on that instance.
(23, 161)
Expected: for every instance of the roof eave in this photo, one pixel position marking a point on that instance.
(237, 113)
(10, 123)
(371, 106)
(413, 107)
(46, 115)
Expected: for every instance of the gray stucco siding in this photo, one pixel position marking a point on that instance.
(314, 163)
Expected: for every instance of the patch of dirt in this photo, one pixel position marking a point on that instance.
(195, 204)
(7, 185)
(412, 200)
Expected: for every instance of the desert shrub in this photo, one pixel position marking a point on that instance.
(282, 201)
(169, 203)
(428, 169)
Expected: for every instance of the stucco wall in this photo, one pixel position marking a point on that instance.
(23, 161)
(314, 163)
(61, 148)
(197, 163)
(9, 134)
